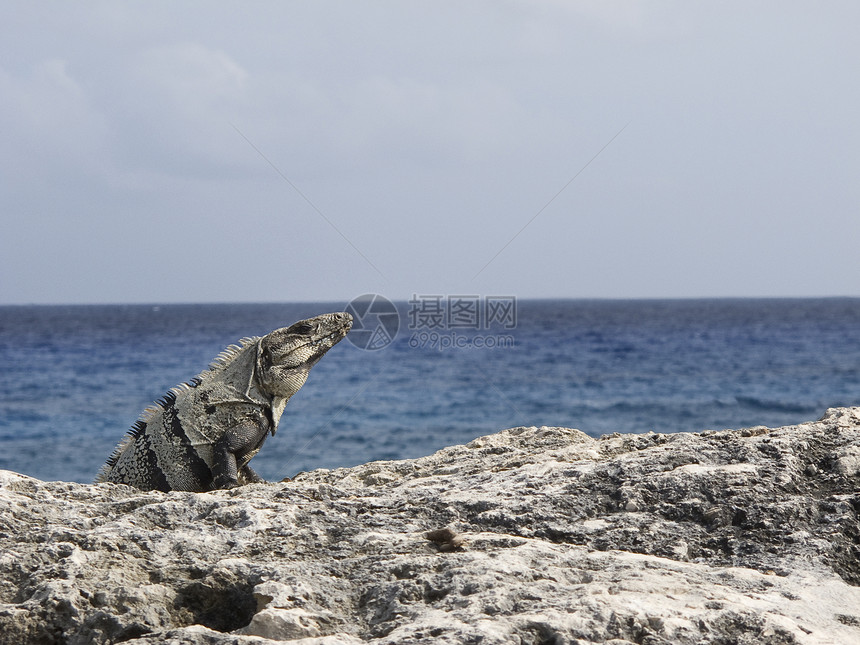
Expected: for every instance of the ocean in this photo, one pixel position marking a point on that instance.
(428, 373)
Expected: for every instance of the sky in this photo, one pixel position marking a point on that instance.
(159, 152)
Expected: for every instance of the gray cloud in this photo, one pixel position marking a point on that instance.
(428, 135)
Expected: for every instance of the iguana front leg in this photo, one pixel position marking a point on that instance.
(248, 476)
(238, 441)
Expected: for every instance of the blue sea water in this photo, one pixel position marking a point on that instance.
(73, 379)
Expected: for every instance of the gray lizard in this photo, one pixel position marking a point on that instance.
(201, 435)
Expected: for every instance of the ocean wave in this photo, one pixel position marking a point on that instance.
(771, 405)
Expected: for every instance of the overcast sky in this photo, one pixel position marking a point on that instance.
(294, 151)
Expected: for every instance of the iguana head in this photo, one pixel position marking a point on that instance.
(286, 355)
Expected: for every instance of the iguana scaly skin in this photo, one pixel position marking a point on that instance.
(201, 435)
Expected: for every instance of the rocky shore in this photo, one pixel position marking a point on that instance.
(530, 535)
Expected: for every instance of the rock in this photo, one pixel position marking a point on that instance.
(531, 535)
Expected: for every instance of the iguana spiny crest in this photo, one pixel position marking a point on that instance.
(201, 435)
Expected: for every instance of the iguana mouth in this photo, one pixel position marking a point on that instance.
(319, 341)
(335, 335)
(332, 339)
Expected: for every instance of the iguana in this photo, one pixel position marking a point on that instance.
(201, 435)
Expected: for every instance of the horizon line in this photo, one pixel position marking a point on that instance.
(405, 300)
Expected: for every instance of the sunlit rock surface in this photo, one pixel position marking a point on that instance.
(531, 535)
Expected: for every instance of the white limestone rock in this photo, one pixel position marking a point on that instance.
(530, 535)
